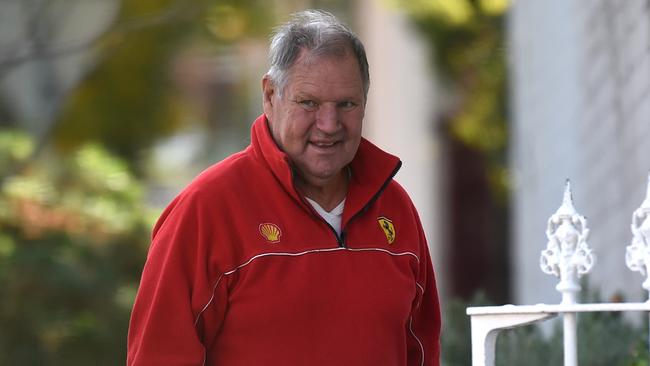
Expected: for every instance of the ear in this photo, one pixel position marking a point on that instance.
(268, 93)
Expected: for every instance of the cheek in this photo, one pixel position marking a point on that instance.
(355, 126)
(296, 132)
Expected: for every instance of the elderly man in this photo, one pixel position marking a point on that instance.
(301, 249)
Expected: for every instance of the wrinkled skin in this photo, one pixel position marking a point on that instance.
(317, 122)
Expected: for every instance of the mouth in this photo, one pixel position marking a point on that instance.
(323, 144)
(325, 147)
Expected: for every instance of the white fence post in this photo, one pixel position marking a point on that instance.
(568, 257)
(486, 328)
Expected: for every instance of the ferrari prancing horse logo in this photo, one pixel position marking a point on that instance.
(387, 226)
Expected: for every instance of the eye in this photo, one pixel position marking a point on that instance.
(307, 104)
(347, 105)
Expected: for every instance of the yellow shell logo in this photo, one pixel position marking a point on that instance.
(387, 226)
(271, 232)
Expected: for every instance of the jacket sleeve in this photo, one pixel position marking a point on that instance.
(425, 322)
(174, 291)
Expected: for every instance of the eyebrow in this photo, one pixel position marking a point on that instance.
(310, 96)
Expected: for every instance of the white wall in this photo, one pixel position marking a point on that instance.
(581, 110)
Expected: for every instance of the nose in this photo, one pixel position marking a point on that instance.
(327, 118)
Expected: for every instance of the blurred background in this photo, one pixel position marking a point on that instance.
(108, 108)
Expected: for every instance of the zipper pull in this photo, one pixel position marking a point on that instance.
(342, 240)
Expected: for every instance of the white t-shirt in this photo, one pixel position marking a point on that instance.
(333, 217)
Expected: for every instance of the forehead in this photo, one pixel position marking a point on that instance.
(336, 75)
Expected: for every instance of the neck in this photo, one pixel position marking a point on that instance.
(327, 194)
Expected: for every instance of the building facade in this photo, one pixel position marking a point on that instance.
(580, 80)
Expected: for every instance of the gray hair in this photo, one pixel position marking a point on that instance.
(318, 32)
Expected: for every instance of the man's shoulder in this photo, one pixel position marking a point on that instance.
(226, 176)
(395, 191)
(397, 197)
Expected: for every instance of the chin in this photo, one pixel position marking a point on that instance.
(324, 174)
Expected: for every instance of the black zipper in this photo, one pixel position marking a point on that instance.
(367, 205)
(340, 239)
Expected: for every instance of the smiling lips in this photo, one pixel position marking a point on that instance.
(323, 144)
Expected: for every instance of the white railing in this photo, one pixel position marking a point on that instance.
(568, 257)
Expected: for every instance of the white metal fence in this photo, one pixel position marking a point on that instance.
(568, 257)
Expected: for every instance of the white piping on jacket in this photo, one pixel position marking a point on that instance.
(417, 339)
(289, 254)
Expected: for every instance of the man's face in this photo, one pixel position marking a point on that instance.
(317, 121)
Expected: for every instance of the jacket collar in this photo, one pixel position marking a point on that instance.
(372, 169)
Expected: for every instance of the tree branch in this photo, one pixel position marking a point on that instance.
(39, 49)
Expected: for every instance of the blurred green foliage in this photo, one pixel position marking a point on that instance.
(468, 47)
(124, 101)
(455, 342)
(73, 237)
(127, 102)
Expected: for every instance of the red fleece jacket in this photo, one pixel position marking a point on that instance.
(242, 271)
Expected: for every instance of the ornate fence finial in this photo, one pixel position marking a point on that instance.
(637, 255)
(567, 254)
